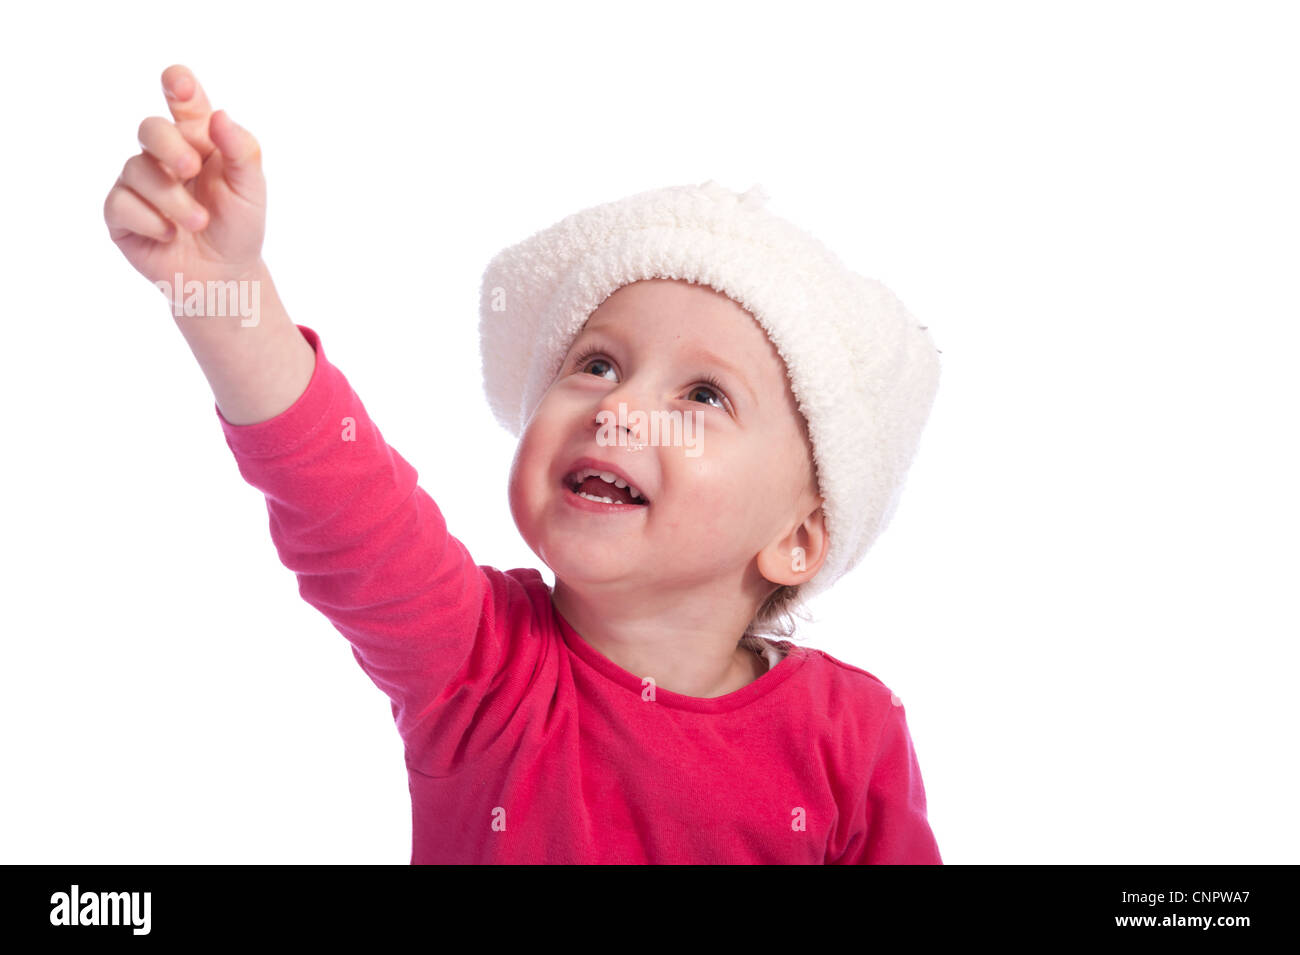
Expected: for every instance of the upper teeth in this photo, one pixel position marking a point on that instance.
(608, 477)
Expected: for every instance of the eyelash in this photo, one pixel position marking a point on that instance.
(593, 351)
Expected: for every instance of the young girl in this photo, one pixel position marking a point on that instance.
(715, 421)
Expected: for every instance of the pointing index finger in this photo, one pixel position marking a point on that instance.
(189, 106)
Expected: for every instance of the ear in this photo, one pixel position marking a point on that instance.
(796, 556)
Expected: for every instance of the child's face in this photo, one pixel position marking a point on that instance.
(742, 481)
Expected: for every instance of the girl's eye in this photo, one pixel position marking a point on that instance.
(599, 363)
(711, 388)
(580, 363)
(592, 357)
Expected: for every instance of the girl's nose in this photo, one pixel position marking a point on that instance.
(618, 411)
(607, 418)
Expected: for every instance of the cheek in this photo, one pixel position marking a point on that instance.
(532, 463)
(518, 494)
(740, 490)
(717, 496)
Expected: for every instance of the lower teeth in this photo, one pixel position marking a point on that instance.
(592, 497)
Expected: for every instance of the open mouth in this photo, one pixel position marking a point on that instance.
(603, 487)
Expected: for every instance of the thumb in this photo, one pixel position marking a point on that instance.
(241, 157)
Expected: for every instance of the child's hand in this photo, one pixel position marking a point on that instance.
(194, 200)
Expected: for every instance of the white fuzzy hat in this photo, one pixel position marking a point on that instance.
(863, 371)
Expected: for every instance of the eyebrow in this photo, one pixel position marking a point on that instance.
(702, 354)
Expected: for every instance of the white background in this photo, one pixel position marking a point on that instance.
(1087, 598)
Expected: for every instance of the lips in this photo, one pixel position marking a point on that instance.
(595, 464)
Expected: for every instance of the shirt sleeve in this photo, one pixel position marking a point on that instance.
(895, 830)
(371, 551)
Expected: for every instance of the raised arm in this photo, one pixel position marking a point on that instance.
(372, 552)
(369, 547)
(189, 213)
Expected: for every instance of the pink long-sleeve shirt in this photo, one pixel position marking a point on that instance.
(523, 743)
